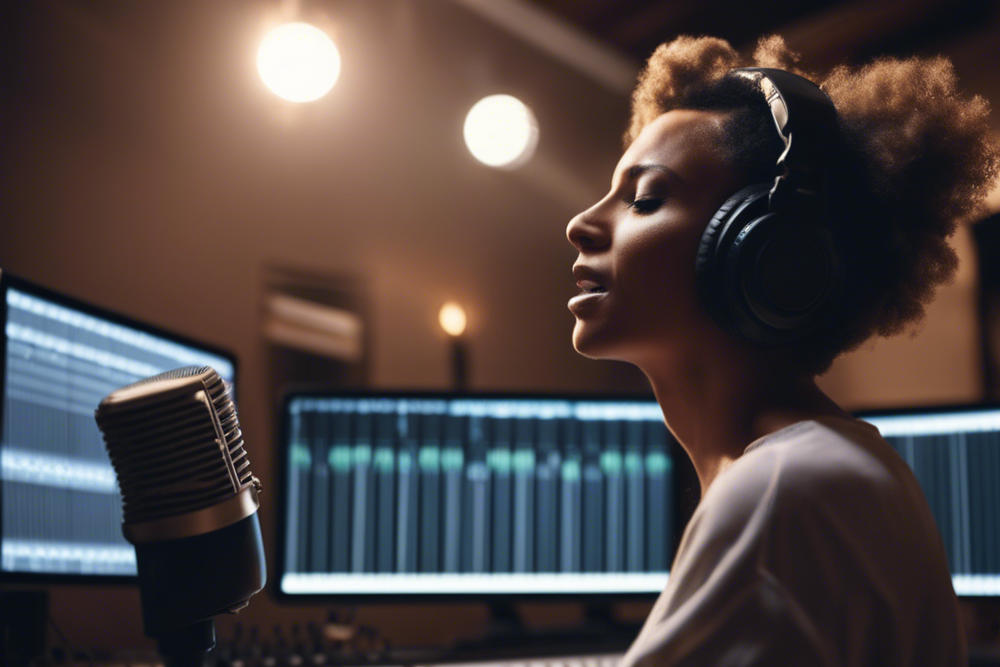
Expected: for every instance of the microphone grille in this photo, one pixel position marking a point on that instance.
(175, 442)
(185, 372)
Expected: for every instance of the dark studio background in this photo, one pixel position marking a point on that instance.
(146, 169)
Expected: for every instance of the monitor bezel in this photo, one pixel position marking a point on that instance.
(8, 280)
(935, 408)
(684, 478)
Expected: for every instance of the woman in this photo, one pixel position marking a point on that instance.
(812, 543)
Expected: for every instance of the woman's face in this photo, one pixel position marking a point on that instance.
(637, 245)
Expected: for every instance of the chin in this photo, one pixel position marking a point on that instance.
(592, 344)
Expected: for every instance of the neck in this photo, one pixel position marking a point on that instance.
(718, 404)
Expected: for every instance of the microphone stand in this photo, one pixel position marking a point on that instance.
(187, 646)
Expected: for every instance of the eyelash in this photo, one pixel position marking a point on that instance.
(644, 205)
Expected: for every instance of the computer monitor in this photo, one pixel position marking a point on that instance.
(434, 495)
(60, 510)
(955, 455)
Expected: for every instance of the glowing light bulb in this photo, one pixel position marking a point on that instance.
(298, 62)
(500, 131)
(452, 319)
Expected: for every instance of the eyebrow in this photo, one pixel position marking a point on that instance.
(638, 170)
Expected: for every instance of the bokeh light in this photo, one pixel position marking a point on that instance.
(298, 62)
(501, 131)
(452, 319)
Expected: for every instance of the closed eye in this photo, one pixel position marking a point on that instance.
(644, 205)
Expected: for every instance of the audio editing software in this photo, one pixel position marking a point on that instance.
(476, 495)
(955, 455)
(61, 511)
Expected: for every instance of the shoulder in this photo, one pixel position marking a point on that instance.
(822, 524)
(812, 471)
(811, 458)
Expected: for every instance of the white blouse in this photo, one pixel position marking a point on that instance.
(816, 547)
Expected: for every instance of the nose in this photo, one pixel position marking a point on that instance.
(586, 231)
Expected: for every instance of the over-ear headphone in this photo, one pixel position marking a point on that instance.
(767, 266)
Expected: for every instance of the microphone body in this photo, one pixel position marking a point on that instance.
(189, 503)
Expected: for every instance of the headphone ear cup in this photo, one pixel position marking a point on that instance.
(787, 278)
(712, 257)
(763, 276)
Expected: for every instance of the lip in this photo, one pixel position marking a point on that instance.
(584, 273)
(588, 279)
(583, 304)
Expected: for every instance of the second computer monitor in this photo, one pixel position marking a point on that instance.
(955, 455)
(60, 509)
(437, 495)
(434, 495)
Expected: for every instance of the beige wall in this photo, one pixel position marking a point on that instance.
(938, 361)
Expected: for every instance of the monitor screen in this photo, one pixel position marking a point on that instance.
(60, 511)
(474, 495)
(955, 456)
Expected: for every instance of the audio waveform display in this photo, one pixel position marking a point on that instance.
(476, 495)
(955, 455)
(61, 511)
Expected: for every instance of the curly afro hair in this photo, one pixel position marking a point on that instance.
(914, 157)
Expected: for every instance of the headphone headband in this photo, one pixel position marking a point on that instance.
(768, 267)
(806, 121)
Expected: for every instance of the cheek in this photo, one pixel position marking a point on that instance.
(660, 268)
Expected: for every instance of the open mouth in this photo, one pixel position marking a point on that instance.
(590, 287)
(590, 296)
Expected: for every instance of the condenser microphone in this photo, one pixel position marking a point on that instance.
(189, 504)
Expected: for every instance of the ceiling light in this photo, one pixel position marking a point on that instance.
(298, 62)
(501, 131)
